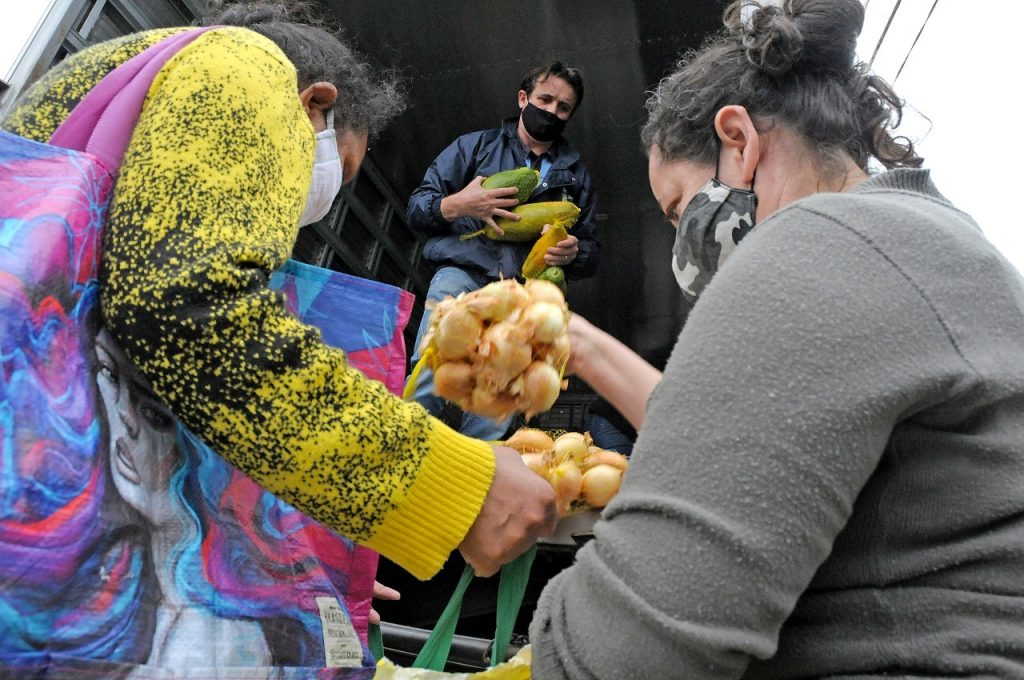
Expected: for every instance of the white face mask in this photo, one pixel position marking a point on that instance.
(327, 175)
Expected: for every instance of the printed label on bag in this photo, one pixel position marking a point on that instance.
(342, 648)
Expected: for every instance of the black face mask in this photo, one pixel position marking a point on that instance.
(542, 125)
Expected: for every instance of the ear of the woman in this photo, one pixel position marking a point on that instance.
(317, 99)
(740, 143)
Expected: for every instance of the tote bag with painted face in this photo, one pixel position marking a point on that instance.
(127, 547)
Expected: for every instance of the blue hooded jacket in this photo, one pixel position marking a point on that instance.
(485, 153)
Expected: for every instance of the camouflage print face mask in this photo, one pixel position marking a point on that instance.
(712, 224)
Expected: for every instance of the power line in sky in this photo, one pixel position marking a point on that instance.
(914, 44)
(888, 23)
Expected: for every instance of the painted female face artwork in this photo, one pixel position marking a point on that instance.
(142, 442)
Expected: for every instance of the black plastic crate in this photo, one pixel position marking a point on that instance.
(468, 654)
(568, 413)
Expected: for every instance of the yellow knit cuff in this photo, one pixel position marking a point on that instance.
(440, 506)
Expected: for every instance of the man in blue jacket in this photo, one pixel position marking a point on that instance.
(451, 201)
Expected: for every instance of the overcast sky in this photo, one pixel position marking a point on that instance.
(963, 74)
(19, 21)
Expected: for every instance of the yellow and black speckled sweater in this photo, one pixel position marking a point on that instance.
(205, 208)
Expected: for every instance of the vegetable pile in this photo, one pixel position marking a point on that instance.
(498, 350)
(582, 475)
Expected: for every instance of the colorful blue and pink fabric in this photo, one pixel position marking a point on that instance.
(127, 546)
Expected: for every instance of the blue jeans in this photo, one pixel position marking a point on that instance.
(452, 281)
(607, 436)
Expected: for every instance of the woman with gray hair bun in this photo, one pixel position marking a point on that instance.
(829, 475)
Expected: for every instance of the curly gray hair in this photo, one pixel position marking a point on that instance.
(368, 99)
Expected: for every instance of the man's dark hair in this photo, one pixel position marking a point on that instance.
(558, 70)
(367, 99)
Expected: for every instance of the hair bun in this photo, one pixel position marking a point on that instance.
(780, 36)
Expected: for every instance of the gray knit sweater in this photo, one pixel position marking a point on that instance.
(830, 476)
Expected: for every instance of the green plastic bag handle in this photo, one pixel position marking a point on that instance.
(375, 641)
(435, 650)
(511, 590)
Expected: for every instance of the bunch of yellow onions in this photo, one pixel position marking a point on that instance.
(582, 475)
(499, 350)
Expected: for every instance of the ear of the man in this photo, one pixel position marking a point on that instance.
(741, 145)
(317, 98)
(523, 98)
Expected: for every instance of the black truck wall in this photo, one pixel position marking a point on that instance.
(463, 62)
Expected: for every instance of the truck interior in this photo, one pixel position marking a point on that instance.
(462, 64)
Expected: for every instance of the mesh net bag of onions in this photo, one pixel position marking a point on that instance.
(499, 350)
(583, 476)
